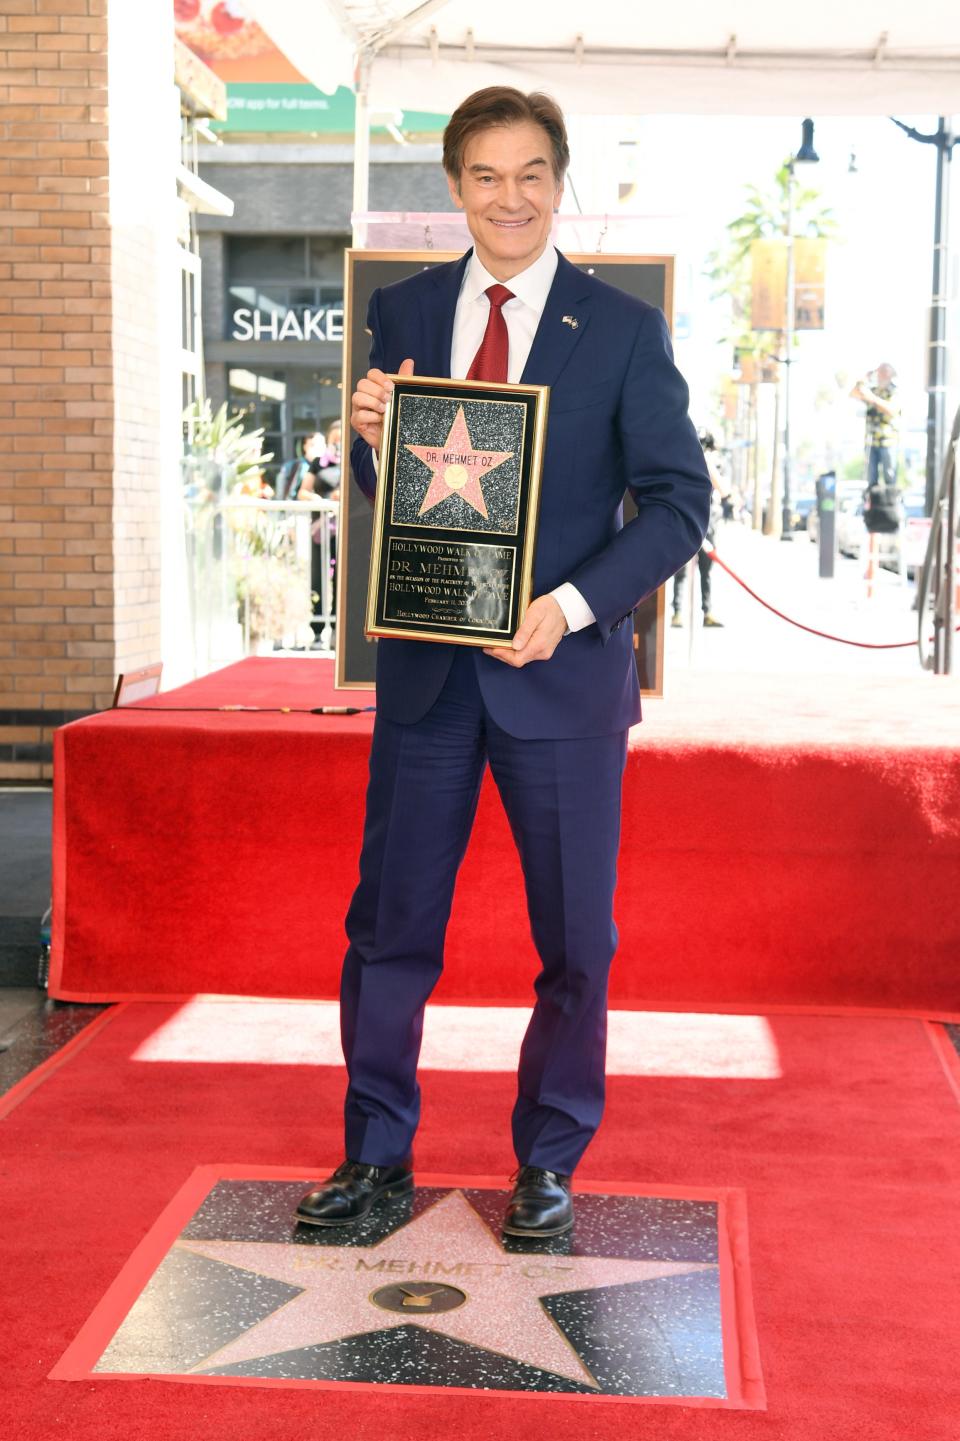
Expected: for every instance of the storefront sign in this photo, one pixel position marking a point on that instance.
(265, 92)
(323, 324)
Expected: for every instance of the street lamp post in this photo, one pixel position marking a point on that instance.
(806, 155)
(786, 529)
(945, 140)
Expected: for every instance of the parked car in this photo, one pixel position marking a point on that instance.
(911, 540)
(801, 508)
(851, 531)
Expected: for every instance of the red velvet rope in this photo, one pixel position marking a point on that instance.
(824, 635)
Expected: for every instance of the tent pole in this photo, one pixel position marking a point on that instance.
(786, 498)
(937, 350)
(361, 147)
(945, 140)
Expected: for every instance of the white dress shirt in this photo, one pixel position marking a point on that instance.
(522, 315)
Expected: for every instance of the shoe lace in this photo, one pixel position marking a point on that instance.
(348, 1170)
(532, 1175)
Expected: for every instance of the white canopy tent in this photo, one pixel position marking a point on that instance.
(743, 57)
(734, 57)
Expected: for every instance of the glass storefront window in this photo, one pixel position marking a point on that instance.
(261, 399)
(326, 258)
(273, 257)
(286, 257)
(308, 392)
(188, 390)
(187, 310)
(302, 298)
(290, 403)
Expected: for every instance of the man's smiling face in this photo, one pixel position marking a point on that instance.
(508, 192)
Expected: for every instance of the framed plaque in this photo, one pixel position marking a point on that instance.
(455, 517)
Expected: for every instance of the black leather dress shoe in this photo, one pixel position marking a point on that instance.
(541, 1204)
(352, 1191)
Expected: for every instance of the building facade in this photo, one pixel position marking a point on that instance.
(273, 274)
(92, 287)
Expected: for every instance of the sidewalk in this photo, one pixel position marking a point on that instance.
(785, 574)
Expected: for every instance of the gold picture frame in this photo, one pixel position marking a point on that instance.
(454, 523)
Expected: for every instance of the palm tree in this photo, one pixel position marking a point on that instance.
(765, 217)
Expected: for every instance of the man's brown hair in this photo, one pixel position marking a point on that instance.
(502, 105)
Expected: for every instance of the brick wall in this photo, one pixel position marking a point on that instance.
(79, 567)
(56, 599)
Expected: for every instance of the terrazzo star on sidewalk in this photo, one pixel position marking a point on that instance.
(549, 713)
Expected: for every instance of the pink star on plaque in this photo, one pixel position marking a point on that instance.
(457, 469)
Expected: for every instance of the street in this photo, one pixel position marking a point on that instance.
(784, 573)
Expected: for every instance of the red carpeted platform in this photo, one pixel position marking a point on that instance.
(785, 842)
(840, 1131)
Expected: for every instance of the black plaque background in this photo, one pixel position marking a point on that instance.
(648, 278)
(438, 534)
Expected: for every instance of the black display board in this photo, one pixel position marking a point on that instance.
(648, 278)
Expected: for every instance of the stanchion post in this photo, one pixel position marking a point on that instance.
(693, 577)
(873, 542)
(950, 577)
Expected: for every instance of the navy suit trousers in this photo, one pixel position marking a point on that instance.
(562, 799)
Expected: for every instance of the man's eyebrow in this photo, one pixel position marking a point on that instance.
(476, 169)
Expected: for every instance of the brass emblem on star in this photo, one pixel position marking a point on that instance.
(422, 1297)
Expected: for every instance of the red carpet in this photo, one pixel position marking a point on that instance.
(781, 840)
(841, 1131)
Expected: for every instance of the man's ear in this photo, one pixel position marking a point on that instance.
(454, 188)
(558, 196)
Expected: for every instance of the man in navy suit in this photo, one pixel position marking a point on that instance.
(550, 712)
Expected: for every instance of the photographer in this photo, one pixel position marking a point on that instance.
(878, 391)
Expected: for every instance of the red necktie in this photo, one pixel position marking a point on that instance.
(490, 361)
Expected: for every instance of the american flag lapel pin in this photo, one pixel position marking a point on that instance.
(570, 320)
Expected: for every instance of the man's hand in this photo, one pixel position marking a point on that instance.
(537, 638)
(368, 403)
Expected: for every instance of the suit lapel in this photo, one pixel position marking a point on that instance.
(565, 317)
(438, 305)
(555, 340)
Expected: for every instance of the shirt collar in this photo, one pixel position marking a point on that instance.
(531, 286)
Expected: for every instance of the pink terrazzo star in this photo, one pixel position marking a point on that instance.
(457, 469)
(448, 1245)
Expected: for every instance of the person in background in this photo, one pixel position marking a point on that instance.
(330, 462)
(322, 473)
(297, 474)
(323, 479)
(720, 502)
(878, 391)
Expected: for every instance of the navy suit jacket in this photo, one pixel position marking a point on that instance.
(617, 421)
